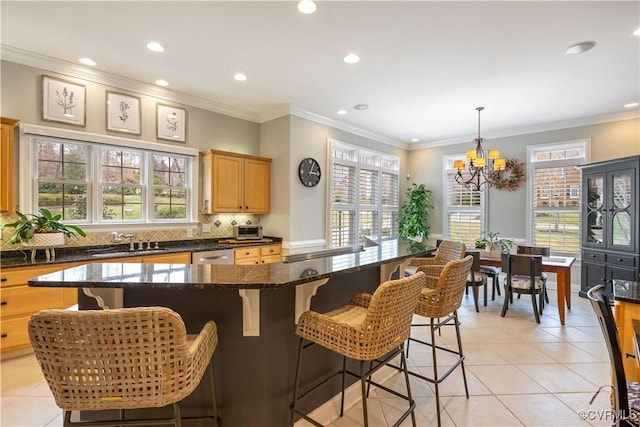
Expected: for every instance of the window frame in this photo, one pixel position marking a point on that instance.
(448, 173)
(584, 145)
(28, 182)
(379, 210)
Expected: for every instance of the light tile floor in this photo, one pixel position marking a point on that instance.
(518, 372)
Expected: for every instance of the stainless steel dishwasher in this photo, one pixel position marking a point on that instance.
(220, 256)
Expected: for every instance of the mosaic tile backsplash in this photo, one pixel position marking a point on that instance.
(221, 225)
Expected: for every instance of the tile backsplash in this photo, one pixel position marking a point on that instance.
(220, 226)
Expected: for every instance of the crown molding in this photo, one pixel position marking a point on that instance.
(293, 110)
(12, 54)
(542, 127)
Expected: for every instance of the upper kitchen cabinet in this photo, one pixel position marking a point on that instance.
(6, 164)
(610, 222)
(235, 183)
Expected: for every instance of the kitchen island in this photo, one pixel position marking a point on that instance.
(255, 308)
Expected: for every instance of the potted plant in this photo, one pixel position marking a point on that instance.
(492, 242)
(42, 229)
(414, 214)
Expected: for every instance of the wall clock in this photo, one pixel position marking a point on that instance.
(309, 172)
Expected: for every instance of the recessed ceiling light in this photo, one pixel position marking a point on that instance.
(161, 82)
(87, 61)
(637, 32)
(415, 139)
(579, 48)
(342, 112)
(307, 6)
(352, 58)
(631, 105)
(155, 47)
(240, 77)
(360, 107)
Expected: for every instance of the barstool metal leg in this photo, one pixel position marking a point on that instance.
(363, 386)
(435, 369)
(403, 364)
(344, 369)
(212, 378)
(464, 374)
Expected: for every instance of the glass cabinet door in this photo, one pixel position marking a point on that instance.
(594, 227)
(621, 191)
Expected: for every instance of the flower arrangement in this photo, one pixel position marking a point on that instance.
(510, 178)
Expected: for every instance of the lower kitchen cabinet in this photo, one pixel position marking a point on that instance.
(257, 255)
(19, 302)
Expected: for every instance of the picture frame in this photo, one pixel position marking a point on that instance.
(123, 113)
(63, 101)
(171, 123)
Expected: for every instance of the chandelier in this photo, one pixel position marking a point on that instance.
(478, 165)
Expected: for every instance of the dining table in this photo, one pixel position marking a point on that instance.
(560, 265)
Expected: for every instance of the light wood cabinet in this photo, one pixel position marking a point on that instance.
(257, 255)
(6, 164)
(173, 258)
(19, 302)
(235, 183)
(624, 313)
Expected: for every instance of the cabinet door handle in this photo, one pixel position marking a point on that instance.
(3, 303)
(3, 279)
(630, 356)
(3, 336)
(246, 207)
(593, 255)
(619, 259)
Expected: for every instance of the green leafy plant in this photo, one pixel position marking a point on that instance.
(493, 242)
(28, 225)
(414, 214)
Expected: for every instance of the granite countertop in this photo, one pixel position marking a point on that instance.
(626, 291)
(22, 258)
(212, 276)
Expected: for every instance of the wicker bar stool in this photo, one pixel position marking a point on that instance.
(127, 358)
(370, 327)
(448, 250)
(441, 298)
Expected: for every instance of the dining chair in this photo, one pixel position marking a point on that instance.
(523, 276)
(626, 395)
(537, 250)
(119, 359)
(476, 279)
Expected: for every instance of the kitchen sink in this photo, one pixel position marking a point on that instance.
(127, 253)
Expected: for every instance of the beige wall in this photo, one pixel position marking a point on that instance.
(507, 210)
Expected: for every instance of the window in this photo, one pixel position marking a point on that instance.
(554, 195)
(464, 217)
(109, 180)
(363, 194)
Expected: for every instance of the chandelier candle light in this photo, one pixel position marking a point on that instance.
(478, 165)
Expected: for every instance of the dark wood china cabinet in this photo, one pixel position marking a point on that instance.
(610, 222)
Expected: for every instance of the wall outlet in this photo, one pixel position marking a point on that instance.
(206, 228)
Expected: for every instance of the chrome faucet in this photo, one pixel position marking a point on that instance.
(117, 238)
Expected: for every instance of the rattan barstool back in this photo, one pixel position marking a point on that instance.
(443, 294)
(371, 325)
(120, 359)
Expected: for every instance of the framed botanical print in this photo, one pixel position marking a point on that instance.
(63, 101)
(123, 113)
(171, 123)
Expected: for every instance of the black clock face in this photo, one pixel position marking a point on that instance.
(309, 172)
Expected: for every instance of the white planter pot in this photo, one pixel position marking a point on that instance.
(47, 240)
